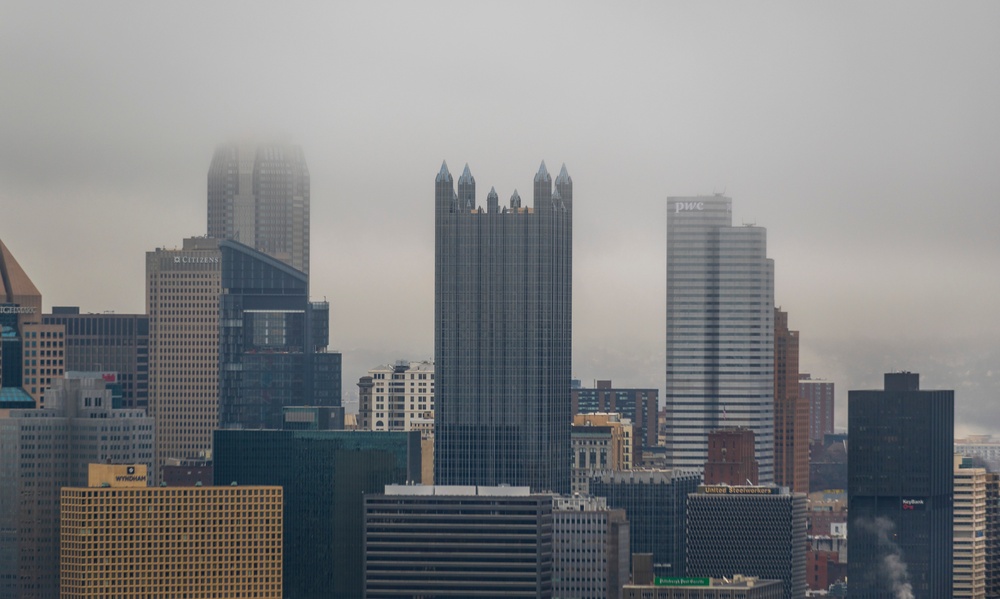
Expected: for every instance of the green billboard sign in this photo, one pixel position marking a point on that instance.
(672, 581)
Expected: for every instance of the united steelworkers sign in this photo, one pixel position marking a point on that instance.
(728, 490)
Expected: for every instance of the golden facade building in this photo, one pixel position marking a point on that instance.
(599, 442)
(791, 412)
(123, 539)
(182, 301)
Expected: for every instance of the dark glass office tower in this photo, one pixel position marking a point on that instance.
(720, 331)
(272, 349)
(326, 475)
(502, 334)
(899, 490)
(259, 195)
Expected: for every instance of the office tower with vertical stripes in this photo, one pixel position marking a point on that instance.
(720, 331)
(259, 195)
(502, 334)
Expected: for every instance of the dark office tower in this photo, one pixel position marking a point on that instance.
(899, 490)
(638, 405)
(818, 395)
(654, 502)
(791, 412)
(757, 531)
(731, 458)
(325, 475)
(270, 353)
(720, 331)
(502, 335)
(434, 542)
(114, 344)
(259, 195)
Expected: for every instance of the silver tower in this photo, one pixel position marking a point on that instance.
(720, 331)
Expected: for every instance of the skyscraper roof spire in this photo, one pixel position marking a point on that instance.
(543, 173)
(563, 176)
(515, 200)
(466, 175)
(443, 174)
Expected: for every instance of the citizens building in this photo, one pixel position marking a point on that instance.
(326, 475)
(272, 341)
(398, 397)
(720, 331)
(818, 395)
(182, 300)
(899, 489)
(448, 541)
(116, 344)
(120, 538)
(590, 548)
(640, 406)
(503, 334)
(259, 195)
(758, 531)
(45, 449)
(655, 503)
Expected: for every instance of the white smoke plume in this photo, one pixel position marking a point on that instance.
(893, 566)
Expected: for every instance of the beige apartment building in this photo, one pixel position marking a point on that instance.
(969, 543)
(182, 301)
(398, 397)
(124, 539)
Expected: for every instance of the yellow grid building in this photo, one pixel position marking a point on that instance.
(120, 538)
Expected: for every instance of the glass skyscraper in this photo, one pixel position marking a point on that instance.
(272, 341)
(259, 196)
(502, 334)
(720, 331)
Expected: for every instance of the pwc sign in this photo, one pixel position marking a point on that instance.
(688, 206)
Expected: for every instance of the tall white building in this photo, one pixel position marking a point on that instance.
(969, 541)
(398, 397)
(720, 331)
(182, 301)
(590, 548)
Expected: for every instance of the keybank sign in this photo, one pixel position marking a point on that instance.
(688, 206)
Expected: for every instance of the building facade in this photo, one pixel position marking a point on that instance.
(655, 503)
(743, 587)
(273, 341)
(731, 458)
(43, 450)
(640, 406)
(791, 412)
(590, 549)
(758, 531)
(259, 195)
(720, 331)
(325, 475)
(192, 539)
(992, 534)
(441, 541)
(398, 397)
(899, 489)
(600, 442)
(182, 300)
(969, 565)
(117, 344)
(502, 334)
(818, 394)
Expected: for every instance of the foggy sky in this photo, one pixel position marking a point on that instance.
(864, 138)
